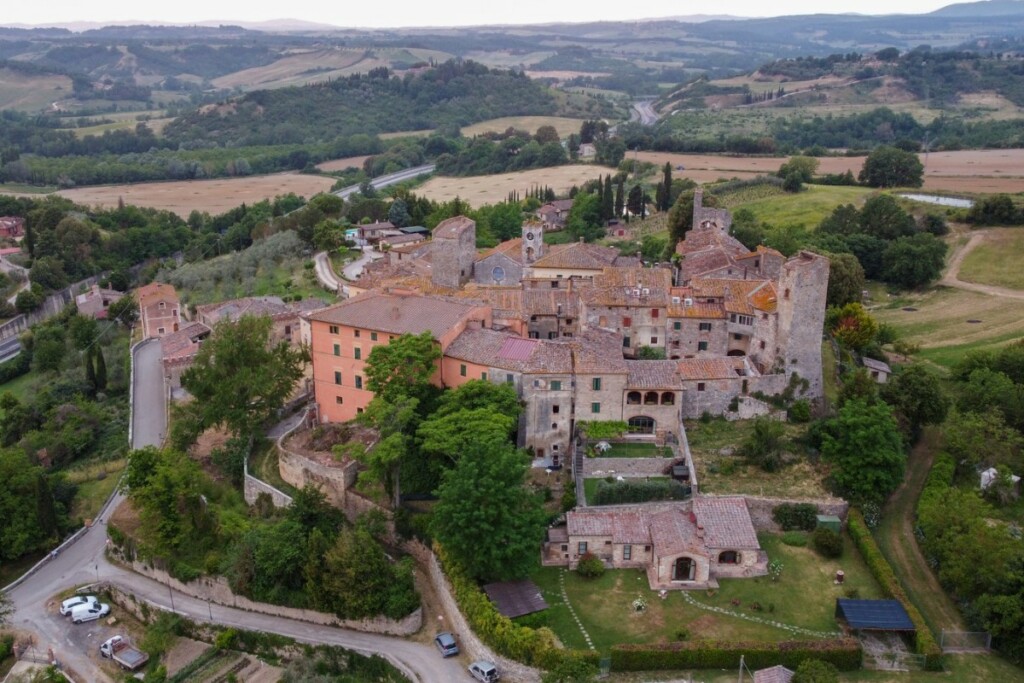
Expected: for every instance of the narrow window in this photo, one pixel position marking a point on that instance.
(582, 548)
(462, 369)
(595, 408)
(509, 379)
(483, 376)
(556, 385)
(373, 336)
(333, 329)
(702, 346)
(627, 552)
(654, 312)
(596, 383)
(677, 325)
(700, 386)
(654, 340)
(357, 333)
(554, 409)
(357, 353)
(337, 349)
(359, 382)
(337, 376)
(627, 321)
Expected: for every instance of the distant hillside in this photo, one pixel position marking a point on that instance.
(984, 8)
(453, 93)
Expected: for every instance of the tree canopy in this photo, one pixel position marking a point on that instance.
(892, 167)
(864, 446)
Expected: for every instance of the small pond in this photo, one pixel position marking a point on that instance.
(955, 202)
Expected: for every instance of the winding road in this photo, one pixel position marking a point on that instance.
(83, 562)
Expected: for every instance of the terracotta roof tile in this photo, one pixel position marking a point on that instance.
(453, 227)
(512, 248)
(155, 291)
(183, 343)
(622, 526)
(697, 310)
(397, 314)
(652, 374)
(712, 368)
(599, 351)
(578, 256)
(673, 532)
(725, 522)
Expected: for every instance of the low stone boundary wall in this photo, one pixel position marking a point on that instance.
(253, 487)
(761, 507)
(457, 624)
(216, 589)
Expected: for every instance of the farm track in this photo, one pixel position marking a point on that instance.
(896, 538)
(951, 278)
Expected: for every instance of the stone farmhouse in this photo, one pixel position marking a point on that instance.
(95, 302)
(568, 326)
(680, 545)
(554, 214)
(159, 309)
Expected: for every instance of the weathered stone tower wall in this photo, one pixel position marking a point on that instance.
(453, 252)
(533, 242)
(803, 284)
(706, 218)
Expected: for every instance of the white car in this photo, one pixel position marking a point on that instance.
(77, 601)
(89, 612)
(484, 671)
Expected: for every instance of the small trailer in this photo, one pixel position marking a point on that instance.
(121, 651)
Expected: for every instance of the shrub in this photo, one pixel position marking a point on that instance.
(590, 566)
(800, 411)
(568, 499)
(844, 654)
(828, 542)
(639, 491)
(815, 671)
(797, 539)
(801, 516)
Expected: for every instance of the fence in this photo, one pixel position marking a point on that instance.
(965, 641)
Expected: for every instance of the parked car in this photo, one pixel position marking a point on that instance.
(484, 671)
(446, 644)
(78, 600)
(90, 612)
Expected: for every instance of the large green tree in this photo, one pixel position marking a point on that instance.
(403, 367)
(239, 378)
(680, 216)
(914, 261)
(845, 280)
(584, 219)
(892, 167)
(851, 325)
(485, 517)
(917, 398)
(864, 446)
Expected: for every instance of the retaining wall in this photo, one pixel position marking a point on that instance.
(761, 507)
(216, 589)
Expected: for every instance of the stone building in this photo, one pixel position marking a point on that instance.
(178, 350)
(285, 325)
(94, 303)
(453, 252)
(159, 309)
(684, 546)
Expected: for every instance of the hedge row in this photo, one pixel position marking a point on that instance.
(639, 491)
(535, 647)
(924, 640)
(844, 653)
(791, 516)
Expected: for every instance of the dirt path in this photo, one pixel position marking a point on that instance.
(896, 538)
(951, 277)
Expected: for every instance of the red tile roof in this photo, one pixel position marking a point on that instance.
(725, 522)
(397, 314)
(712, 368)
(652, 374)
(183, 343)
(155, 291)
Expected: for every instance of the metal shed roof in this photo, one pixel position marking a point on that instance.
(874, 615)
(516, 598)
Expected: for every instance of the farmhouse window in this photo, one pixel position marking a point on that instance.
(509, 378)
(373, 336)
(654, 312)
(357, 352)
(702, 346)
(582, 548)
(556, 385)
(677, 326)
(337, 349)
(337, 377)
(462, 369)
(627, 552)
(359, 382)
(356, 333)
(704, 327)
(627, 321)
(596, 384)
(595, 408)
(700, 386)
(339, 400)
(554, 409)
(483, 376)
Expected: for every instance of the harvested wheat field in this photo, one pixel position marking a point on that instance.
(342, 164)
(213, 196)
(565, 126)
(990, 170)
(491, 189)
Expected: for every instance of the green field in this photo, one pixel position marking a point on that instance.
(939, 321)
(803, 597)
(807, 208)
(996, 260)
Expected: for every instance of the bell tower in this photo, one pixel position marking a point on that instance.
(533, 242)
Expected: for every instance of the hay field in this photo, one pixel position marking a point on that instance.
(342, 164)
(989, 170)
(491, 189)
(564, 126)
(31, 93)
(939, 323)
(214, 196)
(997, 260)
(295, 69)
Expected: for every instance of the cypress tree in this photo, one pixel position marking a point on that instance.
(101, 371)
(607, 200)
(90, 373)
(667, 184)
(620, 198)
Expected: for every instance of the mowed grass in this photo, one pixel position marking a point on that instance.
(997, 260)
(95, 484)
(807, 208)
(565, 126)
(804, 596)
(939, 321)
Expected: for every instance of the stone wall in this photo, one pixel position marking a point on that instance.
(761, 509)
(455, 622)
(216, 589)
(333, 480)
(253, 487)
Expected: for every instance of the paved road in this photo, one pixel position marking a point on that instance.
(84, 562)
(386, 180)
(643, 111)
(9, 348)
(325, 274)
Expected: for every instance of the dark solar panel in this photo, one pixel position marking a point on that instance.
(874, 615)
(516, 598)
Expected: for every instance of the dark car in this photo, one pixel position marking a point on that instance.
(446, 644)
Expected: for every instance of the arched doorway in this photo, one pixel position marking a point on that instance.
(736, 352)
(641, 425)
(684, 569)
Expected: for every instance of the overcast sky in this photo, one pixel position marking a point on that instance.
(361, 13)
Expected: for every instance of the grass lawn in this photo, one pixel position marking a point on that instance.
(636, 450)
(721, 473)
(804, 596)
(996, 261)
(828, 371)
(95, 484)
(22, 387)
(808, 208)
(939, 321)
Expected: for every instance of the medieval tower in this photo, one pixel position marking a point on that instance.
(533, 242)
(802, 288)
(453, 252)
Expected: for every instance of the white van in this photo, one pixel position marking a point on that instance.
(90, 612)
(76, 601)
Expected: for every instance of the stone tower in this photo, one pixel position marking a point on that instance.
(453, 252)
(707, 218)
(802, 287)
(533, 242)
